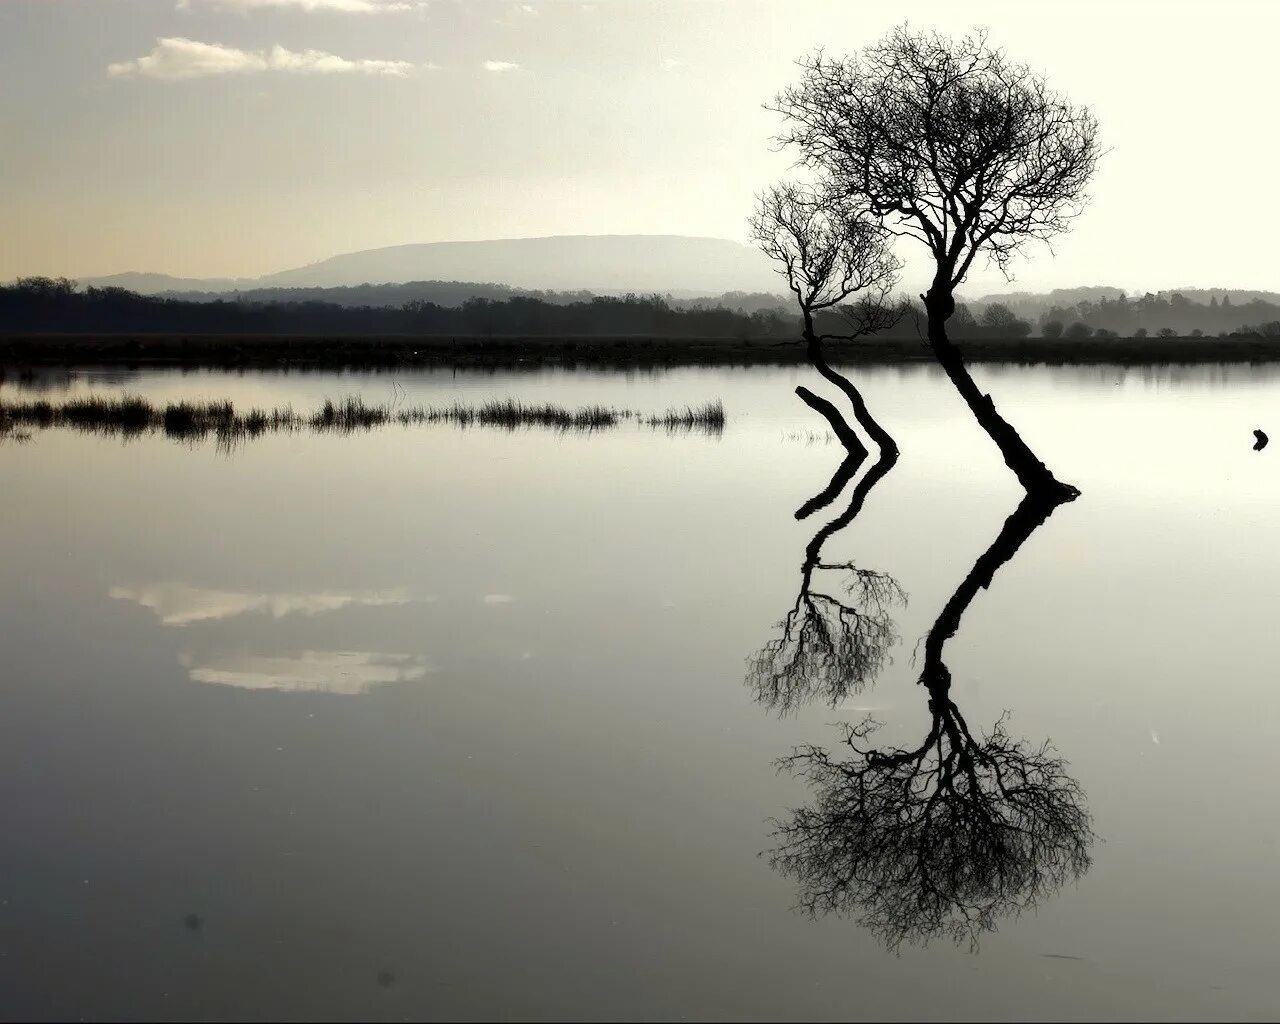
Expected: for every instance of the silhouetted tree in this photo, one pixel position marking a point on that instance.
(945, 838)
(953, 144)
(829, 252)
(1051, 328)
(1078, 330)
(999, 320)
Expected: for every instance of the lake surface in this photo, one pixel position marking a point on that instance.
(431, 722)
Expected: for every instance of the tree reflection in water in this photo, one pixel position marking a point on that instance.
(946, 838)
(836, 638)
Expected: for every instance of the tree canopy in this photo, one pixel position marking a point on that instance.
(946, 140)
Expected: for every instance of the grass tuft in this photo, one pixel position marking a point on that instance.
(129, 416)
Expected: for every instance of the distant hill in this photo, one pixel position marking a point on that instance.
(678, 265)
(599, 263)
(155, 284)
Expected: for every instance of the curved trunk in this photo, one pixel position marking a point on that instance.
(1029, 516)
(861, 413)
(857, 450)
(1033, 474)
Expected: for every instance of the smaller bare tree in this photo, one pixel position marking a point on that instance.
(834, 258)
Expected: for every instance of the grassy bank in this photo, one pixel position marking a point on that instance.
(130, 416)
(243, 351)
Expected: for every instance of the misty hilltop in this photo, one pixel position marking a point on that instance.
(666, 264)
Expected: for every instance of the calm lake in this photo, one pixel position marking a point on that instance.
(433, 722)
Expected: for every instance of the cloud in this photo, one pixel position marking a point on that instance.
(319, 62)
(671, 63)
(345, 672)
(499, 66)
(342, 6)
(176, 604)
(176, 57)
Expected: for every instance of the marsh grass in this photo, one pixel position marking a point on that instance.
(708, 417)
(130, 416)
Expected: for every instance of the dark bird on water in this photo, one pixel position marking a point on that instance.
(1260, 440)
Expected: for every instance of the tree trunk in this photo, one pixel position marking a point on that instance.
(861, 413)
(1033, 474)
(857, 450)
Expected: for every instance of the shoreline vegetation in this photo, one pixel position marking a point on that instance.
(333, 352)
(130, 416)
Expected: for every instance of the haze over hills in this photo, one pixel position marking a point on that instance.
(563, 269)
(666, 264)
(157, 284)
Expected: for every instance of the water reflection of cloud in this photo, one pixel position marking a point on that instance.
(177, 604)
(345, 672)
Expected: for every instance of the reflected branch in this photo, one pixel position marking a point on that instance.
(946, 838)
(839, 480)
(833, 641)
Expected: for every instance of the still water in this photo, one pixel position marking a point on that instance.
(430, 722)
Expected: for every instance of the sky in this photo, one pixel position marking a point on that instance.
(240, 137)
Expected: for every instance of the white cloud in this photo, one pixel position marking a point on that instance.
(671, 63)
(347, 672)
(319, 62)
(499, 65)
(175, 57)
(343, 6)
(177, 604)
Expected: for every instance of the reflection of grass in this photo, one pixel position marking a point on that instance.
(129, 416)
(9, 430)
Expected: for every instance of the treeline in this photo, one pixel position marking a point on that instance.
(44, 305)
(1162, 315)
(451, 293)
(441, 293)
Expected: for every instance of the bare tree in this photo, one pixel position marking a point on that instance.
(953, 144)
(944, 839)
(830, 251)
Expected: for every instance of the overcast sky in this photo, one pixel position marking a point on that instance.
(238, 137)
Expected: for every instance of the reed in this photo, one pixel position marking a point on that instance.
(130, 416)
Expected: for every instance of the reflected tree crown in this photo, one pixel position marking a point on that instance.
(836, 638)
(945, 838)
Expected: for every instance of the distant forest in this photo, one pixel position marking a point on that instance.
(44, 305)
(454, 293)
